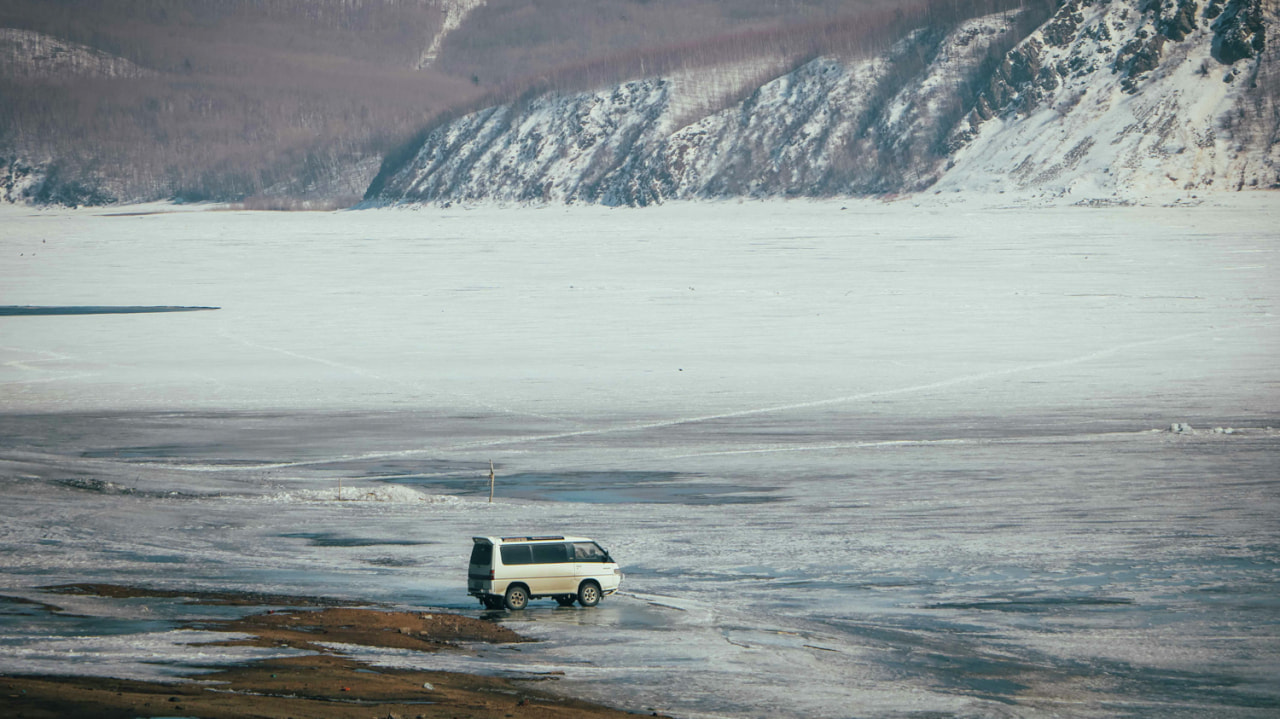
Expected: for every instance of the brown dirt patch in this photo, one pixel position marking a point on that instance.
(319, 687)
(324, 685)
(367, 627)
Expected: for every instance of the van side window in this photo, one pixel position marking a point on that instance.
(516, 554)
(482, 553)
(550, 553)
(587, 552)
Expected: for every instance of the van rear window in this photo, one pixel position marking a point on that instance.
(482, 553)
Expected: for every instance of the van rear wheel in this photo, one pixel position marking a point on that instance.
(589, 594)
(517, 598)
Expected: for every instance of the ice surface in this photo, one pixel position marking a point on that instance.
(159, 656)
(684, 311)
(877, 461)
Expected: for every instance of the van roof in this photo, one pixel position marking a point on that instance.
(530, 538)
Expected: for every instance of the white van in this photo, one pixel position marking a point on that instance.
(509, 571)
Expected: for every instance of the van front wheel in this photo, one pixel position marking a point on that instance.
(589, 594)
(517, 598)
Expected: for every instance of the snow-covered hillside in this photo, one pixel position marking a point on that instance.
(1107, 98)
(1104, 100)
(829, 126)
(554, 148)
(832, 126)
(25, 54)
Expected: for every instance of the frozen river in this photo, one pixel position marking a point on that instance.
(856, 459)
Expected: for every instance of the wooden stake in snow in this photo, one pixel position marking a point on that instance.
(491, 481)
(339, 489)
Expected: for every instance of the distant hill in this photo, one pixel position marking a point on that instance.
(288, 102)
(228, 99)
(302, 103)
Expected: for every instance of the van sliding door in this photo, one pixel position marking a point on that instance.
(551, 571)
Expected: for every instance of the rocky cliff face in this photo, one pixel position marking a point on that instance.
(1115, 98)
(1105, 98)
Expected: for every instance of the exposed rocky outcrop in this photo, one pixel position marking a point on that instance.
(1019, 82)
(1139, 96)
(46, 184)
(1177, 21)
(1239, 30)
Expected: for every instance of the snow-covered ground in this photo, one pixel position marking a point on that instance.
(856, 458)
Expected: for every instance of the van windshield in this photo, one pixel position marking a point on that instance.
(482, 553)
(589, 552)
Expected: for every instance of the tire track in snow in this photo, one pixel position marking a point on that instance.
(677, 421)
(47, 380)
(948, 441)
(298, 355)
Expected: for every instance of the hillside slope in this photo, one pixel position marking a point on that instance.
(1101, 99)
(829, 126)
(117, 100)
(1105, 101)
(295, 102)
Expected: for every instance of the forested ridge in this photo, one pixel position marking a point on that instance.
(239, 99)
